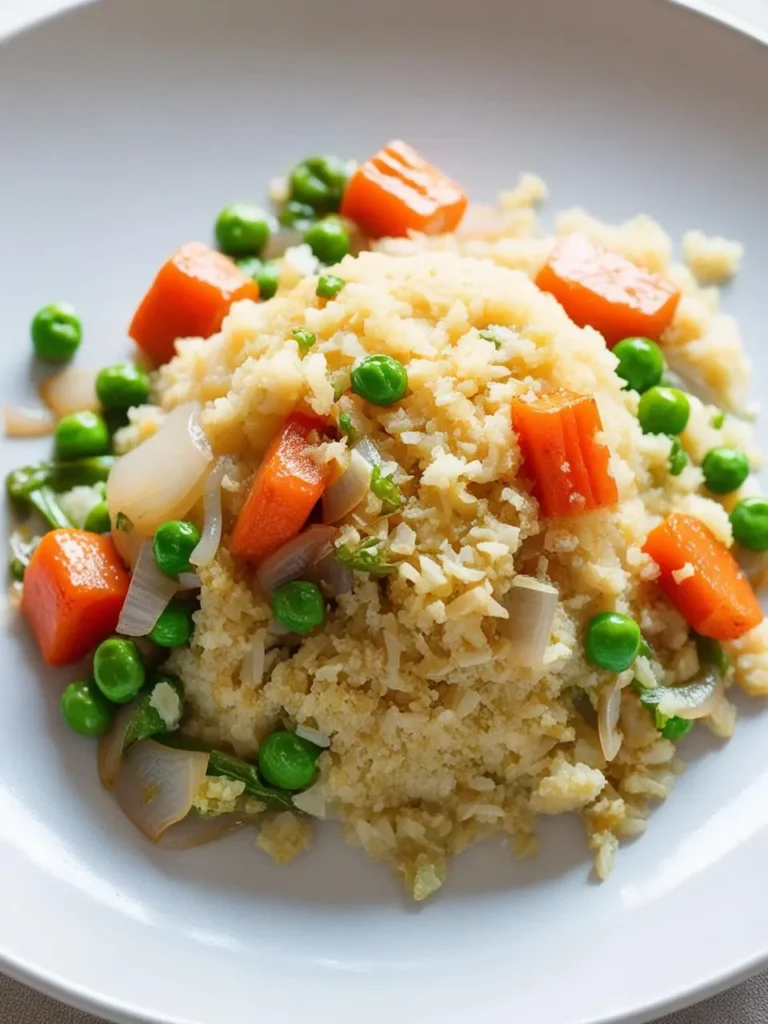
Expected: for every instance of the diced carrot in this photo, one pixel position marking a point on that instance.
(557, 433)
(74, 587)
(711, 593)
(398, 191)
(601, 289)
(284, 491)
(189, 298)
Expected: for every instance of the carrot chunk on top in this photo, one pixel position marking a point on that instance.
(398, 191)
(74, 587)
(601, 289)
(284, 491)
(557, 433)
(702, 579)
(189, 298)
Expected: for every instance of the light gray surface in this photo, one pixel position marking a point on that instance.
(746, 1004)
(170, 213)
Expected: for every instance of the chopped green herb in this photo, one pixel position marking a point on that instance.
(22, 548)
(717, 419)
(712, 652)
(366, 557)
(385, 488)
(489, 335)
(305, 338)
(45, 503)
(60, 476)
(671, 727)
(347, 427)
(678, 458)
(645, 648)
(329, 286)
(123, 523)
(675, 728)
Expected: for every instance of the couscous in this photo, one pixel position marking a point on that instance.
(411, 516)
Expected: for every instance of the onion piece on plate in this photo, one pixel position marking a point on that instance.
(349, 490)
(199, 829)
(608, 709)
(692, 700)
(189, 581)
(252, 671)
(161, 479)
(320, 739)
(27, 421)
(368, 450)
(157, 785)
(293, 559)
(531, 605)
(279, 241)
(210, 535)
(71, 390)
(333, 578)
(111, 746)
(148, 596)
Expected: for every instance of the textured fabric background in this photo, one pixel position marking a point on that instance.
(746, 1004)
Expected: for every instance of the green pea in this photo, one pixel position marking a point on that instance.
(305, 338)
(612, 641)
(749, 522)
(328, 239)
(319, 182)
(678, 458)
(118, 669)
(380, 379)
(288, 761)
(717, 419)
(675, 728)
(173, 543)
(174, 627)
(297, 215)
(641, 363)
(329, 286)
(56, 332)
(725, 469)
(122, 386)
(298, 605)
(85, 709)
(663, 411)
(97, 520)
(79, 435)
(243, 229)
(266, 275)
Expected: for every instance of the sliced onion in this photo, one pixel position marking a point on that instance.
(333, 577)
(27, 421)
(368, 450)
(252, 671)
(162, 478)
(210, 535)
(608, 709)
(72, 390)
(199, 829)
(111, 746)
(157, 785)
(349, 490)
(189, 581)
(694, 700)
(313, 736)
(293, 559)
(148, 595)
(281, 240)
(531, 605)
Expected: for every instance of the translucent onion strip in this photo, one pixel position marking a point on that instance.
(531, 605)
(252, 671)
(199, 829)
(368, 450)
(157, 785)
(148, 595)
(210, 535)
(349, 490)
(608, 709)
(320, 739)
(295, 558)
(111, 746)
(27, 421)
(72, 390)
(694, 700)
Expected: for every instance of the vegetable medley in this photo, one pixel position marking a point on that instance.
(111, 544)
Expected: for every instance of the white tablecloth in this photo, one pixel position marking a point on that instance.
(745, 1004)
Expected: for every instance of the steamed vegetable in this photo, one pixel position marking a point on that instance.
(702, 578)
(663, 410)
(397, 191)
(85, 709)
(379, 379)
(749, 522)
(288, 761)
(242, 229)
(80, 435)
(557, 433)
(601, 289)
(172, 545)
(724, 469)
(190, 297)
(283, 492)
(174, 626)
(641, 363)
(612, 641)
(118, 669)
(56, 332)
(122, 385)
(157, 710)
(318, 183)
(299, 606)
(74, 588)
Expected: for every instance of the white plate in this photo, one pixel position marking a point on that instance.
(124, 126)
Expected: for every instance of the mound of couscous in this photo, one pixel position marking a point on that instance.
(465, 551)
